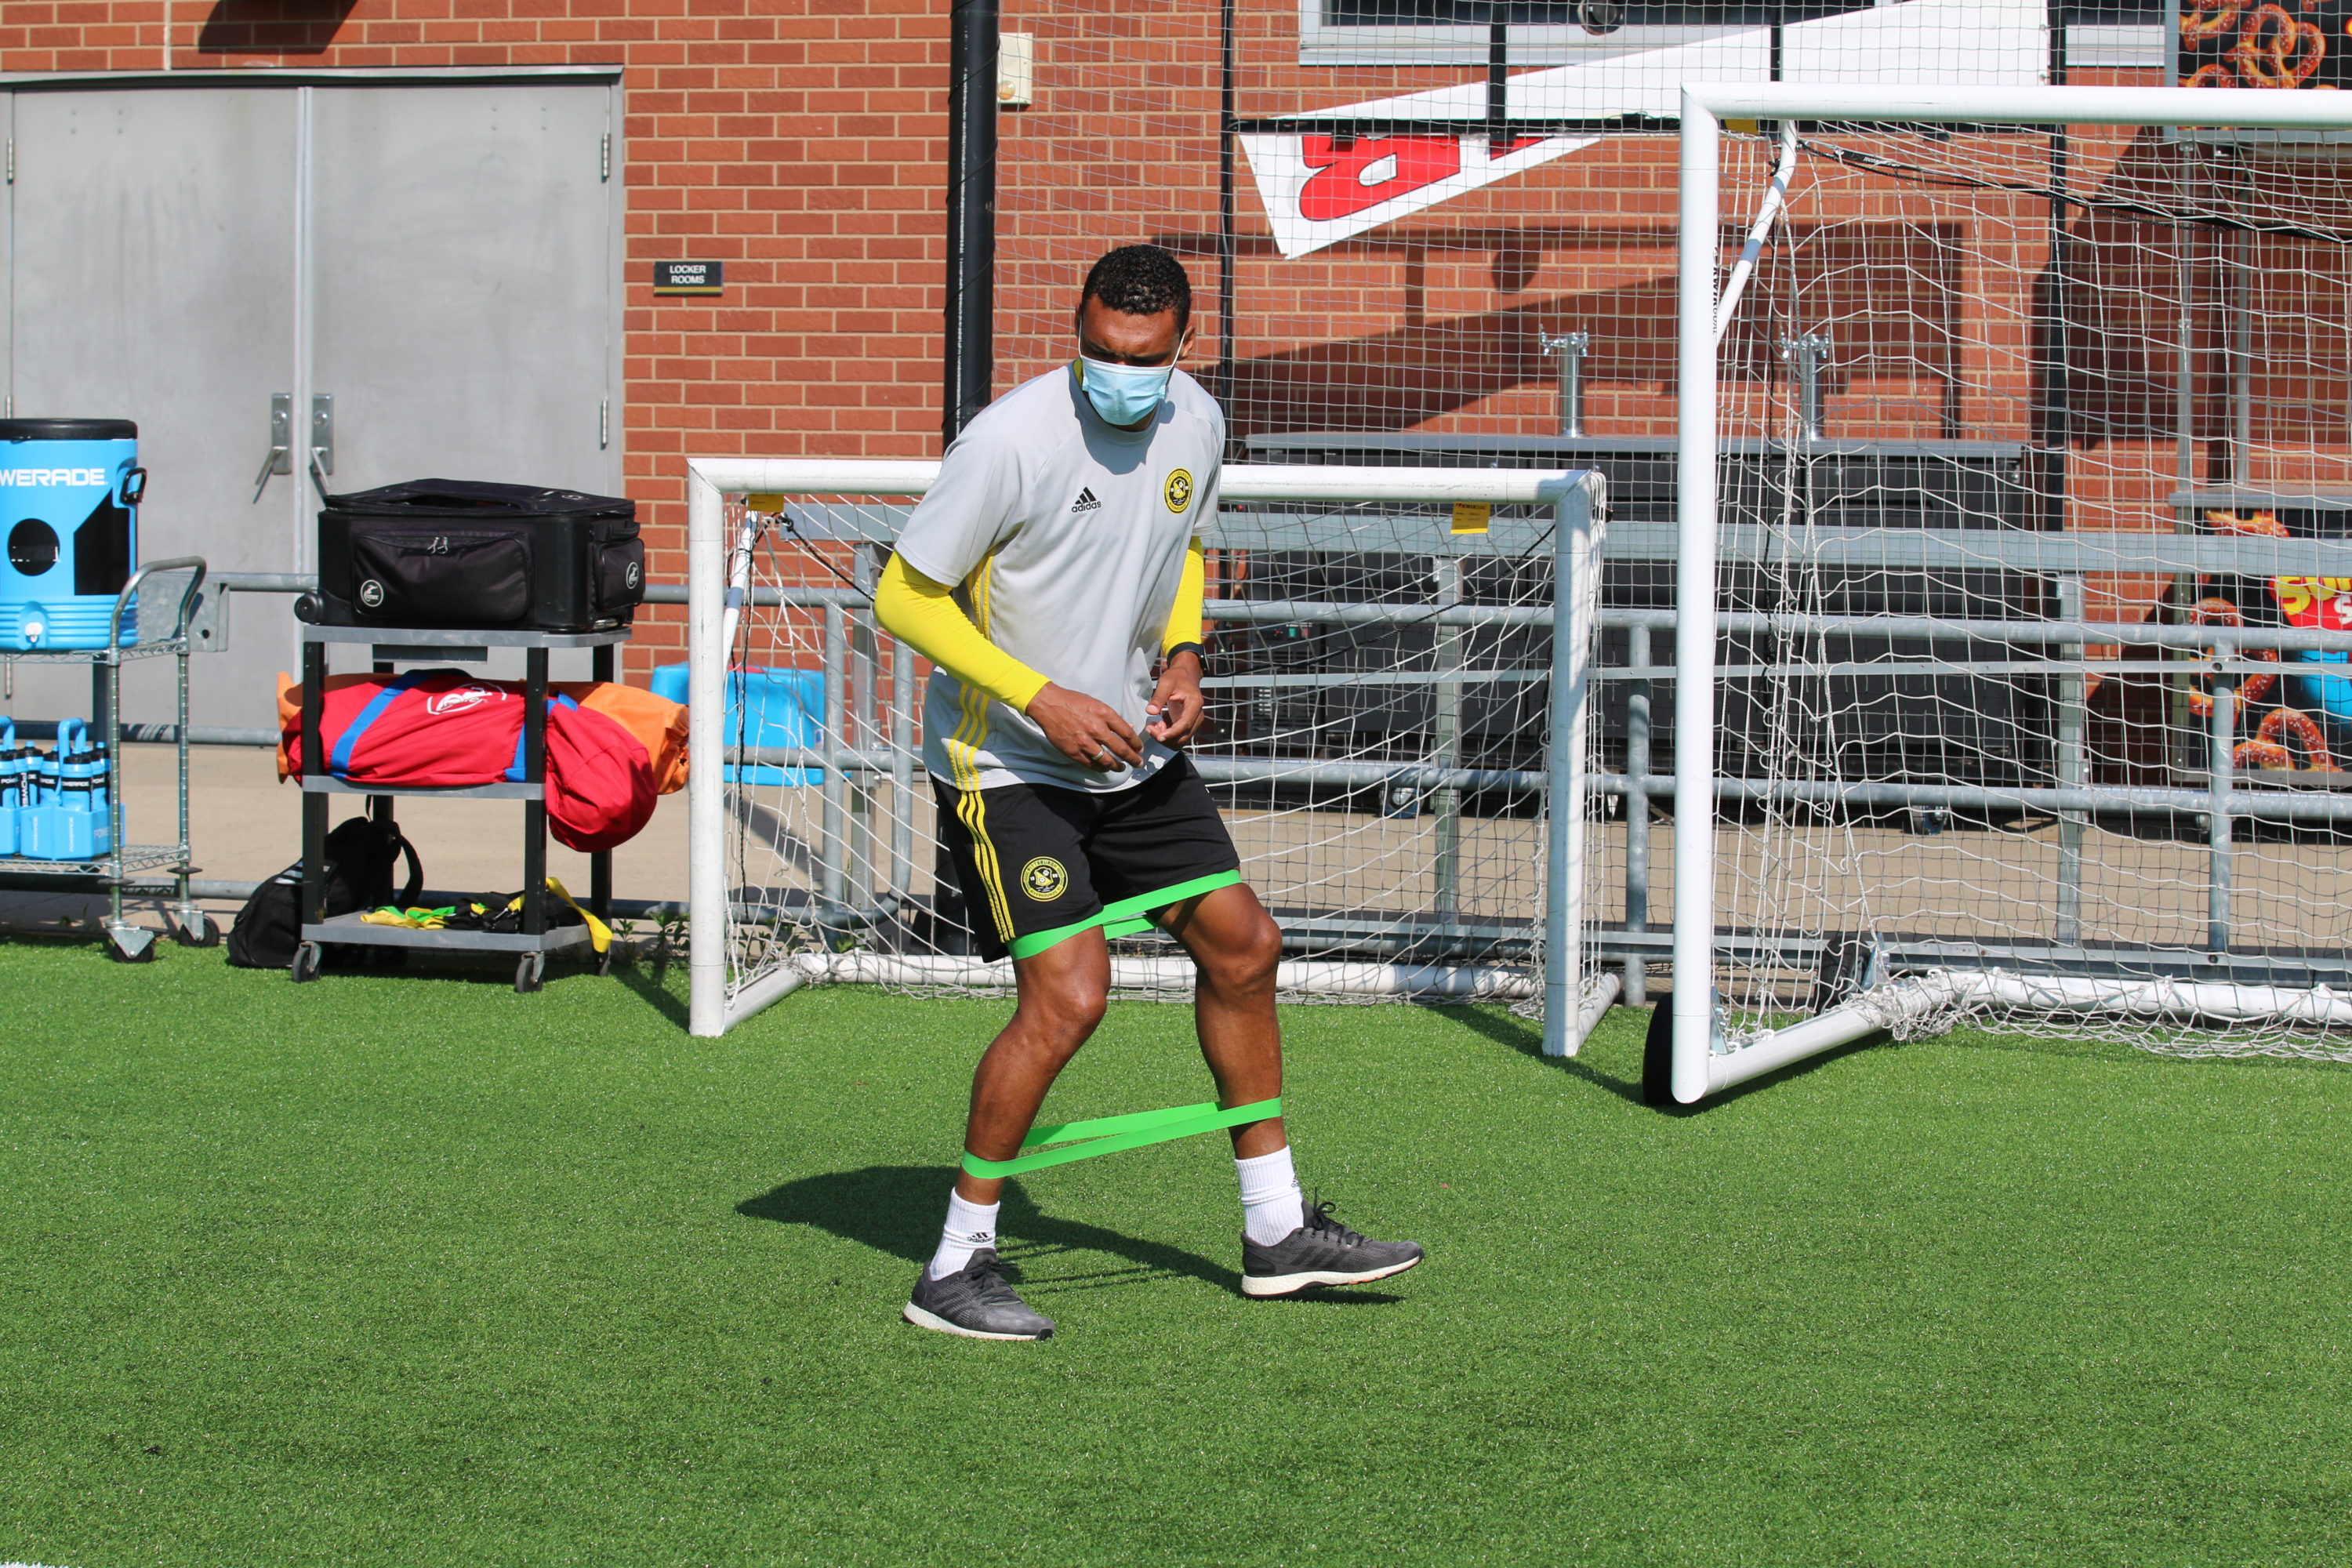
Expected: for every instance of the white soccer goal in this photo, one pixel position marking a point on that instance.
(2015, 483)
(1396, 735)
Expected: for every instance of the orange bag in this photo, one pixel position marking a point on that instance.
(658, 724)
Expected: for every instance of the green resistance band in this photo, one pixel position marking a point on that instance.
(1109, 1134)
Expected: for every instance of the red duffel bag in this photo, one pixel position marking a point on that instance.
(439, 729)
(599, 783)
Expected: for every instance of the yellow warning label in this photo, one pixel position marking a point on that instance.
(1470, 516)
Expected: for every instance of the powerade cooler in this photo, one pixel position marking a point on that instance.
(70, 493)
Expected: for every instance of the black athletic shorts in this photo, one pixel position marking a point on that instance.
(1040, 864)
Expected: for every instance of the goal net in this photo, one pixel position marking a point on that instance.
(1389, 728)
(2013, 542)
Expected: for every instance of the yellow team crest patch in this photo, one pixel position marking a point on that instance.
(1044, 878)
(1180, 490)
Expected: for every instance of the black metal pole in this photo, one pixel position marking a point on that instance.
(1228, 244)
(2057, 396)
(971, 357)
(1498, 76)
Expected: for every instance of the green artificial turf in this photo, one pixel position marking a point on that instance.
(390, 1269)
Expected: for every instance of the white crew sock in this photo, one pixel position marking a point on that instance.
(1270, 1206)
(970, 1227)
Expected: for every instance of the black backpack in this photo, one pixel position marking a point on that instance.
(361, 858)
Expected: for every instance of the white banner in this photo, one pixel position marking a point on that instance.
(1320, 188)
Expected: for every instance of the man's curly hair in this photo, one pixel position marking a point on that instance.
(1140, 280)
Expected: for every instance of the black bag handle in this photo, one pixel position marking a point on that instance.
(416, 884)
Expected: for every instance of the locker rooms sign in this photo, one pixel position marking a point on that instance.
(689, 277)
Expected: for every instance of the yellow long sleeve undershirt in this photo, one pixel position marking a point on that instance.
(924, 615)
(1184, 624)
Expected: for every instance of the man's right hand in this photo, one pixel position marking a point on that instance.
(1087, 731)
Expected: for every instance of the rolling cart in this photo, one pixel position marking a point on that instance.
(535, 941)
(127, 865)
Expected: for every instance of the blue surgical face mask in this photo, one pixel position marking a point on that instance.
(1124, 394)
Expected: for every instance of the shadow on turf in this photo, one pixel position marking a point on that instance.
(650, 984)
(896, 1208)
(1526, 1038)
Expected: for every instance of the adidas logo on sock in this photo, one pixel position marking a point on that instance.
(1085, 501)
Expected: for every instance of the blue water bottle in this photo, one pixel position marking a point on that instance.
(61, 827)
(11, 770)
(36, 789)
(101, 795)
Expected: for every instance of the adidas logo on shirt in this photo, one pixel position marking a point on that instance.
(1085, 501)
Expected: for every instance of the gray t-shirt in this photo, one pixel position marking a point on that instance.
(1064, 539)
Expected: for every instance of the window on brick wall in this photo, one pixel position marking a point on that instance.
(1542, 33)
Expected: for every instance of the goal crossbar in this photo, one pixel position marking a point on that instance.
(1697, 1061)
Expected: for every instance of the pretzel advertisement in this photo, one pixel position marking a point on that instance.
(2281, 716)
(2325, 602)
(2241, 43)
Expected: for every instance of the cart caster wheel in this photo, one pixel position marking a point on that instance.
(203, 932)
(530, 974)
(305, 966)
(129, 944)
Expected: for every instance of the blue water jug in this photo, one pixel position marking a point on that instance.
(71, 820)
(69, 492)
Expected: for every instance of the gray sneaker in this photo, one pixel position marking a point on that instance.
(976, 1302)
(1321, 1252)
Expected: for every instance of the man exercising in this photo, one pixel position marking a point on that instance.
(1053, 563)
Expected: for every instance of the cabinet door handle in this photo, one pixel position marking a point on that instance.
(281, 459)
(322, 439)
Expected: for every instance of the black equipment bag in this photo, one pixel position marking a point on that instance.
(361, 854)
(463, 554)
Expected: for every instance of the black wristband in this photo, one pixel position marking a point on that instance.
(1195, 649)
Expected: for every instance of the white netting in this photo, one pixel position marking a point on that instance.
(2015, 376)
(1422, 193)
(1376, 740)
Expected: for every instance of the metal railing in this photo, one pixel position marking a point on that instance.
(2062, 561)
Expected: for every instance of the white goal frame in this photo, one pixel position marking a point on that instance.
(1580, 503)
(1700, 1063)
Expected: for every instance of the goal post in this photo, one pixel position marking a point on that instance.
(2057, 910)
(1401, 703)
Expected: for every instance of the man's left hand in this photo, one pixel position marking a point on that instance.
(1177, 706)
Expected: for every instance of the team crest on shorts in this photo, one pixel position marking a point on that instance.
(1044, 878)
(1180, 490)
